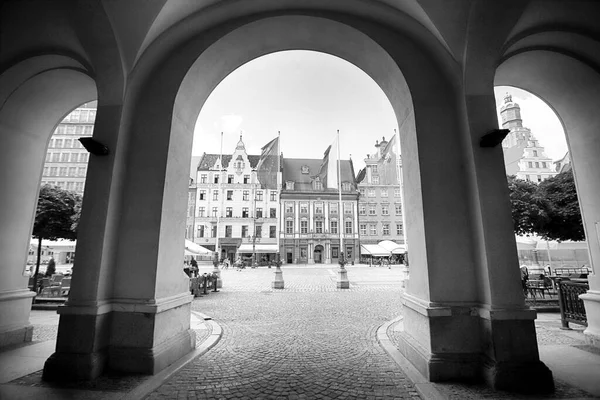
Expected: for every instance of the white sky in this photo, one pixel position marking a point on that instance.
(308, 96)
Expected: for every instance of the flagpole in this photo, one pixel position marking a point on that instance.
(220, 200)
(342, 282)
(279, 190)
(401, 182)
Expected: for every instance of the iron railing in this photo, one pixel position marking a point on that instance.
(571, 306)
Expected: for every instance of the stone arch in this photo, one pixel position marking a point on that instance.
(36, 94)
(570, 87)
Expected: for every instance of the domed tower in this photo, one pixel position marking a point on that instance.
(240, 144)
(510, 113)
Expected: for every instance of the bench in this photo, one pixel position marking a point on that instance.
(539, 283)
(572, 272)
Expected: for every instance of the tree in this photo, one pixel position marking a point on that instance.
(54, 218)
(529, 209)
(564, 215)
(51, 268)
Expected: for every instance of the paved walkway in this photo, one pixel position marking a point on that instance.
(309, 340)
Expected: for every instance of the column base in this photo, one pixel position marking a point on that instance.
(68, 367)
(278, 283)
(591, 302)
(342, 282)
(15, 306)
(16, 336)
(473, 344)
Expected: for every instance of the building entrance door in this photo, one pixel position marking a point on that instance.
(318, 254)
(289, 258)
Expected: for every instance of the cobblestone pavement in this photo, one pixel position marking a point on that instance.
(308, 341)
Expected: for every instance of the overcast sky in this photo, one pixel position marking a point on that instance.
(308, 96)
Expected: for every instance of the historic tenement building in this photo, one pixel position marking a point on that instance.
(231, 203)
(523, 154)
(379, 204)
(66, 159)
(312, 220)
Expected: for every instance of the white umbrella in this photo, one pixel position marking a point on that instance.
(392, 247)
(196, 248)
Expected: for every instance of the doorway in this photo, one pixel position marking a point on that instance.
(318, 254)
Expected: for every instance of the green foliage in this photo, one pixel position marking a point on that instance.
(564, 216)
(51, 268)
(529, 211)
(550, 209)
(55, 211)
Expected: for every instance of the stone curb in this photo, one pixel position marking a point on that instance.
(157, 380)
(425, 388)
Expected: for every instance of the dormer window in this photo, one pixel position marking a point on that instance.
(346, 186)
(317, 184)
(289, 185)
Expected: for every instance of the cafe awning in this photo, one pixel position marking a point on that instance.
(259, 248)
(392, 247)
(373, 250)
(195, 248)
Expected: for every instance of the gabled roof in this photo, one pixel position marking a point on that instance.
(208, 161)
(292, 171)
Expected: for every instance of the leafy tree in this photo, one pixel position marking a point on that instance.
(54, 218)
(564, 216)
(529, 209)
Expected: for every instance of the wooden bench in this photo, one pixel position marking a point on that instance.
(539, 283)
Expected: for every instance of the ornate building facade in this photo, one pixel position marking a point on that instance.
(231, 205)
(379, 204)
(66, 159)
(523, 154)
(312, 221)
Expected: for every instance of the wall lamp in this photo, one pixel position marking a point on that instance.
(493, 138)
(93, 146)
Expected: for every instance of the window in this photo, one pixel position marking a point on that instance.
(376, 180)
(228, 231)
(333, 227)
(386, 229)
(544, 164)
(303, 208)
(214, 211)
(190, 211)
(398, 208)
(216, 178)
(348, 227)
(230, 195)
(372, 210)
(244, 231)
(537, 164)
(70, 129)
(333, 208)
(48, 156)
(272, 212)
(318, 208)
(272, 231)
(89, 129)
(347, 208)
(201, 211)
(289, 226)
(53, 171)
(384, 192)
(258, 231)
(289, 185)
(229, 212)
(362, 192)
(373, 229)
(213, 231)
(318, 226)
(304, 225)
(398, 229)
(527, 177)
(374, 169)
(363, 229)
(55, 157)
(79, 130)
(362, 209)
(203, 178)
(289, 208)
(68, 143)
(539, 178)
(72, 171)
(535, 154)
(317, 185)
(64, 157)
(246, 195)
(245, 212)
(346, 186)
(397, 192)
(70, 186)
(63, 171)
(303, 253)
(370, 192)
(74, 157)
(230, 179)
(273, 195)
(79, 186)
(46, 170)
(58, 143)
(385, 209)
(259, 195)
(246, 178)
(202, 195)
(215, 195)
(259, 213)
(83, 157)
